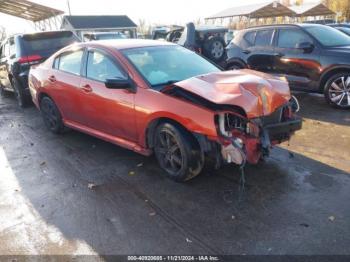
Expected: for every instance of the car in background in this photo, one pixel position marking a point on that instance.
(155, 96)
(207, 40)
(343, 27)
(19, 52)
(170, 33)
(104, 36)
(313, 58)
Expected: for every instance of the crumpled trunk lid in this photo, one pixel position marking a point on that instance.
(259, 94)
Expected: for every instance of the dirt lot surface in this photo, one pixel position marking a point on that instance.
(74, 194)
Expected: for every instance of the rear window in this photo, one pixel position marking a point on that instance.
(263, 38)
(48, 42)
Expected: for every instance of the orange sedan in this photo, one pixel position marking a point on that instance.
(151, 96)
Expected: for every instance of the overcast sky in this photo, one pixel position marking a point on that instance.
(154, 11)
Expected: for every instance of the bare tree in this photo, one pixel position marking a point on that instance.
(2, 33)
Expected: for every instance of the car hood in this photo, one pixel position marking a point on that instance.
(259, 94)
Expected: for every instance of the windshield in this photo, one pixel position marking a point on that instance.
(328, 36)
(162, 65)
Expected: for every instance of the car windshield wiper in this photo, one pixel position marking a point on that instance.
(166, 83)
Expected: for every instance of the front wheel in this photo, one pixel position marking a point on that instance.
(214, 49)
(177, 152)
(51, 115)
(337, 90)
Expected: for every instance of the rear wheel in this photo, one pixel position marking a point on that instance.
(337, 90)
(51, 115)
(177, 152)
(23, 100)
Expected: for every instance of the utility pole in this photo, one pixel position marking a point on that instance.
(70, 13)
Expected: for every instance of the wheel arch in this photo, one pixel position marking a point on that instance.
(330, 72)
(235, 61)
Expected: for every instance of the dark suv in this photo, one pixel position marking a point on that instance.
(19, 52)
(314, 58)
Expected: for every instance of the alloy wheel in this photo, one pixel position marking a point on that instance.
(339, 91)
(169, 153)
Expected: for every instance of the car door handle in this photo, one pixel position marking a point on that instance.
(246, 51)
(52, 79)
(86, 88)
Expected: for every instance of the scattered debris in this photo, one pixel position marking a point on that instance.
(31, 144)
(43, 163)
(269, 249)
(152, 214)
(91, 185)
(113, 219)
(131, 173)
(331, 218)
(140, 165)
(233, 217)
(74, 185)
(188, 240)
(304, 225)
(146, 200)
(17, 190)
(42, 205)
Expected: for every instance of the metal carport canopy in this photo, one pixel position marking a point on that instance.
(312, 10)
(271, 9)
(28, 10)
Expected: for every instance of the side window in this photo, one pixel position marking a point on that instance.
(101, 68)
(263, 38)
(71, 62)
(249, 38)
(289, 38)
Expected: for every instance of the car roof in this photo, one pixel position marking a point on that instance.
(283, 25)
(37, 33)
(121, 44)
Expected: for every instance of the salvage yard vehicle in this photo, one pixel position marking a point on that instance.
(20, 52)
(152, 96)
(313, 58)
(206, 40)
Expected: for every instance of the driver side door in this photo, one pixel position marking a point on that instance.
(300, 67)
(111, 111)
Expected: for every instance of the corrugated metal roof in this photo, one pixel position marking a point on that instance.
(98, 22)
(271, 9)
(312, 10)
(27, 10)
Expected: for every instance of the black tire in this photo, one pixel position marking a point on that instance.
(337, 90)
(177, 152)
(51, 115)
(23, 100)
(214, 49)
(234, 66)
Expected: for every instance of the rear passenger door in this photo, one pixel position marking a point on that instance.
(260, 56)
(300, 67)
(64, 81)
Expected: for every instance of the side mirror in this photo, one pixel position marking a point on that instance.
(307, 47)
(118, 83)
